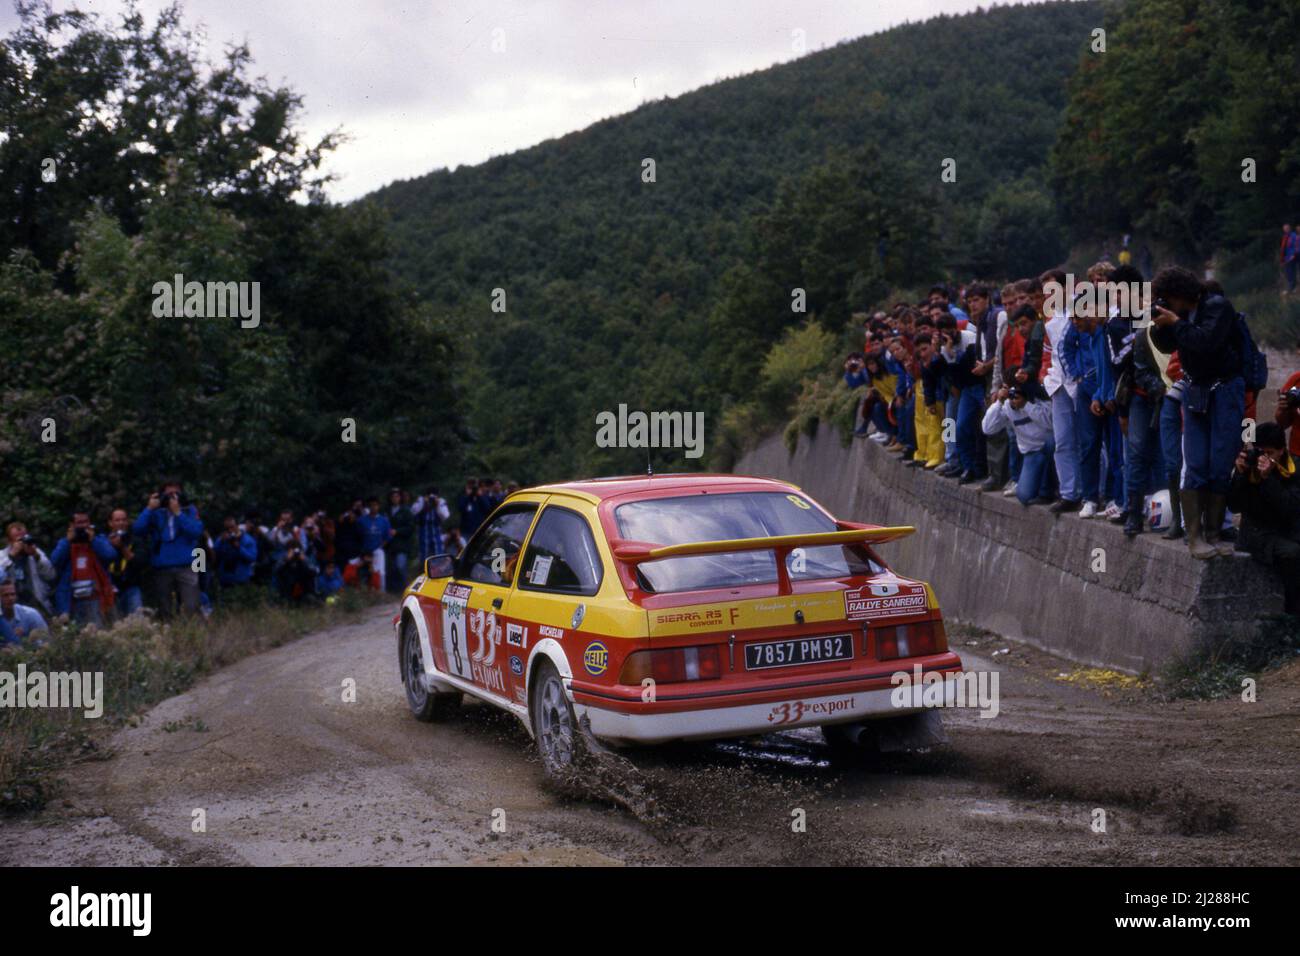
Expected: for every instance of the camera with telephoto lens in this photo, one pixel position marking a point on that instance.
(1252, 458)
(1292, 397)
(28, 539)
(82, 535)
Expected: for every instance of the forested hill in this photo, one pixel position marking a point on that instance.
(610, 281)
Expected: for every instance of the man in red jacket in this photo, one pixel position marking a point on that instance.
(1287, 412)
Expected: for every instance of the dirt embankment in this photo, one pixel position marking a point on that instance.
(286, 772)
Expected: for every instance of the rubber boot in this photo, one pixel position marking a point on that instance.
(1175, 531)
(1191, 500)
(1215, 507)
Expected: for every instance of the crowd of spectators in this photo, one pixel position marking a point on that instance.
(1145, 419)
(168, 559)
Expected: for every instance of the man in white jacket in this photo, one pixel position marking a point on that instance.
(1061, 386)
(29, 568)
(1031, 421)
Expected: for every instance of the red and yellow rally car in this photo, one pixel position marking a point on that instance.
(658, 608)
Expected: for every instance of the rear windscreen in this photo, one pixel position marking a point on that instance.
(760, 514)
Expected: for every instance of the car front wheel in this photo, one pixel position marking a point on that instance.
(426, 704)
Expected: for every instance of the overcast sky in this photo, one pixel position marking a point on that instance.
(441, 83)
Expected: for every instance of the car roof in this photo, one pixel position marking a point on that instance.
(632, 486)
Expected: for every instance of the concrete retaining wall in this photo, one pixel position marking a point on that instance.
(1025, 573)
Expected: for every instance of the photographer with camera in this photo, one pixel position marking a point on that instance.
(174, 530)
(1287, 411)
(1204, 329)
(28, 567)
(430, 512)
(1030, 420)
(284, 536)
(84, 590)
(295, 577)
(236, 554)
(855, 376)
(1266, 492)
(128, 567)
(347, 534)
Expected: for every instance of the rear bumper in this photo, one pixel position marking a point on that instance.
(717, 717)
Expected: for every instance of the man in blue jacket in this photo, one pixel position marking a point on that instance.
(236, 555)
(1202, 326)
(174, 532)
(375, 531)
(1085, 351)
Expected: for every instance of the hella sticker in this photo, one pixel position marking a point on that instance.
(596, 658)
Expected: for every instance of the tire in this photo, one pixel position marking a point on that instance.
(555, 728)
(425, 704)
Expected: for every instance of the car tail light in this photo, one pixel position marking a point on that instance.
(673, 665)
(910, 640)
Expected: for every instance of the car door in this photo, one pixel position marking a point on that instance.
(472, 609)
(559, 576)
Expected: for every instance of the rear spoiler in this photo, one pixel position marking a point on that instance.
(635, 552)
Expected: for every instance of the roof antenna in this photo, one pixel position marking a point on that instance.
(649, 468)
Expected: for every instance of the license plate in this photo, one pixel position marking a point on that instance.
(798, 651)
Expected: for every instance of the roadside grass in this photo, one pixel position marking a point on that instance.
(1217, 672)
(143, 662)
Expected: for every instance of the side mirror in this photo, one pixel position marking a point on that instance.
(439, 566)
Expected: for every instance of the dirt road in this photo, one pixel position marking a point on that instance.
(286, 772)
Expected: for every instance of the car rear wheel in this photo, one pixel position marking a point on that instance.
(559, 738)
(426, 704)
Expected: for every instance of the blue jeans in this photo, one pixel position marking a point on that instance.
(1114, 459)
(950, 413)
(1035, 474)
(1091, 429)
(1171, 439)
(880, 418)
(1015, 460)
(1141, 474)
(129, 601)
(1066, 440)
(970, 411)
(1211, 439)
